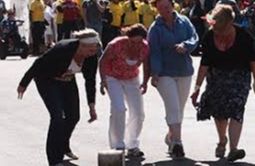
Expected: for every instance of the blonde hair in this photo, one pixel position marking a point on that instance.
(86, 33)
(222, 14)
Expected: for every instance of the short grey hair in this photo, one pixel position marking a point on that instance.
(86, 33)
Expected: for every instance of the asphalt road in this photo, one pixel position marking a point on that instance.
(24, 123)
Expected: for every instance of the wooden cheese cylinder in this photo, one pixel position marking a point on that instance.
(111, 158)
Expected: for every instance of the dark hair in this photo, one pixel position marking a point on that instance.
(135, 30)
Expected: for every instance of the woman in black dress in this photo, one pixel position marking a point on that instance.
(227, 61)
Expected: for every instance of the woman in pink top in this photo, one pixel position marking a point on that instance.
(119, 70)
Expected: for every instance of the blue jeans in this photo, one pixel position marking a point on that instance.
(62, 101)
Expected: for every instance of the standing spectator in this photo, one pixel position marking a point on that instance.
(93, 10)
(37, 24)
(130, 12)
(117, 11)
(119, 68)
(185, 7)
(227, 61)
(71, 14)
(172, 38)
(147, 13)
(2, 10)
(54, 76)
(57, 7)
(195, 15)
(107, 20)
(50, 30)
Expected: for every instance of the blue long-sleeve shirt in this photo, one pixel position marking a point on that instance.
(164, 60)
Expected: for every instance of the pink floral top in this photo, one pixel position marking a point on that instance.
(118, 67)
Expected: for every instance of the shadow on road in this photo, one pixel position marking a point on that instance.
(190, 162)
(69, 163)
(181, 162)
(130, 161)
(224, 162)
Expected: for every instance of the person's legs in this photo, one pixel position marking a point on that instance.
(167, 88)
(66, 29)
(183, 88)
(234, 131)
(35, 37)
(71, 111)
(118, 114)
(50, 92)
(136, 112)
(221, 126)
(170, 90)
(60, 32)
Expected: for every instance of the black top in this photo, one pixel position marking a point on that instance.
(56, 61)
(238, 56)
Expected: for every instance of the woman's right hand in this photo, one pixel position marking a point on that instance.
(103, 86)
(21, 90)
(194, 96)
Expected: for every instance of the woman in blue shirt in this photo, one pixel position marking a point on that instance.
(172, 38)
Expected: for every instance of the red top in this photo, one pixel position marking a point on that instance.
(118, 66)
(70, 11)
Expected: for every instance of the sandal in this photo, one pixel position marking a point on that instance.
(221, 148)
(235, 155)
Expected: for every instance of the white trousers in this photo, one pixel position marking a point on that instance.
(174, 92)
(119, 91)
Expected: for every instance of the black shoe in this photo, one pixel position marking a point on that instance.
(135, 152)
(177, 152)
(235, 155)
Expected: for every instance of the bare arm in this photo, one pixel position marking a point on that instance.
(202, 71)
(106, 57)
(146, 75)
(252, 66)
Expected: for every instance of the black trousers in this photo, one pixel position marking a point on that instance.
(60, 32)
(68, 27)
(38, 29)
(62, 101)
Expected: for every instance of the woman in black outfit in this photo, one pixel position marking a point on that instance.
(227, 62)
(53, 74)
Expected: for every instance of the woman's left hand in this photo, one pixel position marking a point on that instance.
(180, 48)
(143, 88)
(93, 115)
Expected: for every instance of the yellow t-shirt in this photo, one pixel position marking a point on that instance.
(37, 8)
(59, 15)
(148, 12)
(131, 17)
(117, 11)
